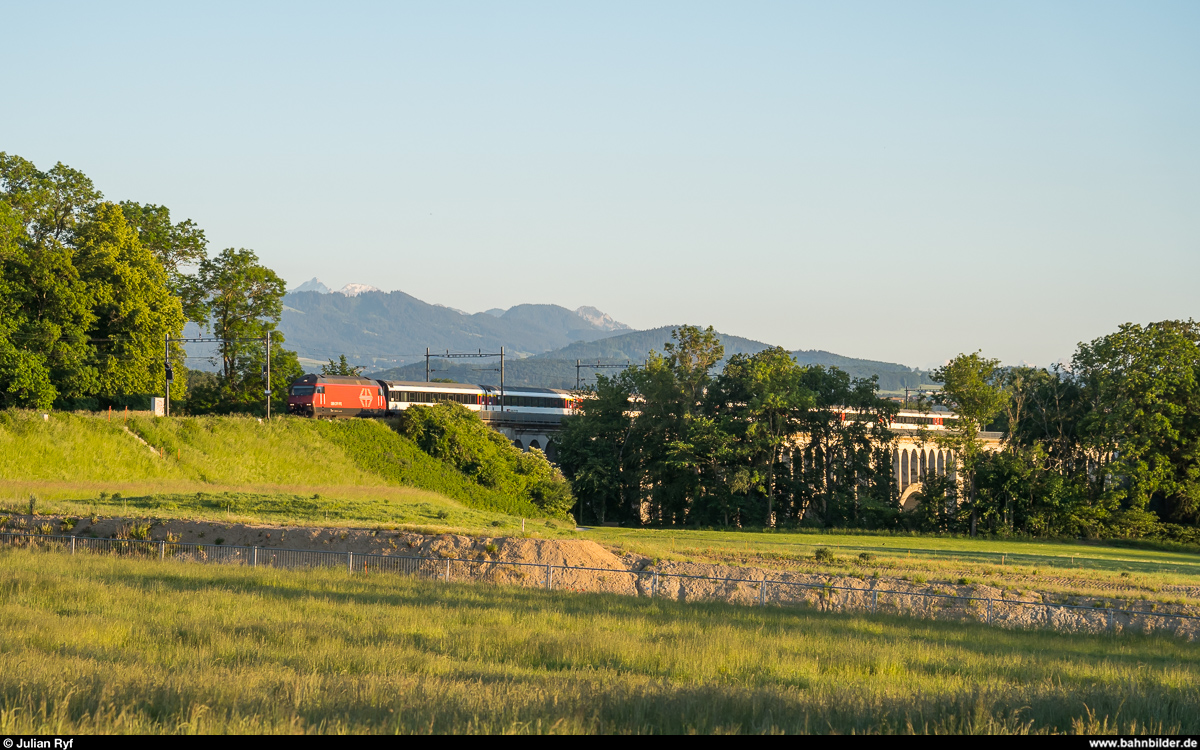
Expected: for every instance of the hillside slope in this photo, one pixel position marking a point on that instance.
(556, 369)
(381, 328)
(69, 455)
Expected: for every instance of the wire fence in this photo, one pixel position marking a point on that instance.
(649, 583)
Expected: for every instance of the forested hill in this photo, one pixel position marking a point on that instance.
(380, 328)
(636, 346)
(556, 369)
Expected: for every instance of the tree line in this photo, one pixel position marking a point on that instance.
(91, 288)
(1107, 446)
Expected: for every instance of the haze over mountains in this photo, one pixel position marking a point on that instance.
(389, 331)
(379, 329)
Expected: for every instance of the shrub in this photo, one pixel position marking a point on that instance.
(219, 540)
(824, 554)
(456, 435)
(139, 531)
(866, 557)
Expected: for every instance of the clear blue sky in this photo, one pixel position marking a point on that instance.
(899, 181)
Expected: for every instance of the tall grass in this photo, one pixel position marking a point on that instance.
(97, 644)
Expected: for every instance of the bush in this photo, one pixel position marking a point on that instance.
(457, 435)
(824, 554)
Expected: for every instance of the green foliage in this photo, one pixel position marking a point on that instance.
(457, 436)
(1110, 448)
(172, 245)
(341, 367)
(88, 290)
(133, 307)
(395, 456)
(972, 387)
(762, 443)
(242, 301)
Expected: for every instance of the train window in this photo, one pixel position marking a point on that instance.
(303, 390)
(320, 389)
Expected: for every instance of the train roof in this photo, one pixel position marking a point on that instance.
(421, 385)
(339, 379)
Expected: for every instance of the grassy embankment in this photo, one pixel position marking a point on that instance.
(96, 644)
(239, 469)
(361, 473)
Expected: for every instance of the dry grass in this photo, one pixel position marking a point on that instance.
(97, 644)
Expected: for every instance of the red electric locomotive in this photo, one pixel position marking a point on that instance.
(337, 396)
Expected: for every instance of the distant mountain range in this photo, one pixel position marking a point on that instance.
(379, 329)
(350, 290)
(388, 332)
(558, 368)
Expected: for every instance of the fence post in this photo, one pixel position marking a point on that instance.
(989, 614)
(447, 570)
(162, 550)
(654, 586)
(550, 577)
(349, 562)
(1108, 612)
(254, 557)
(72, 545)
(874, 601)
(762, 592)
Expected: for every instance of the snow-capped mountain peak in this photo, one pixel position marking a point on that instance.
(353, 290)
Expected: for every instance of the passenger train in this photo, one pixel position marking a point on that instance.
(339, 396)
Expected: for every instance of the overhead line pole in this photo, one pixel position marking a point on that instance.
(597, 366)
(463, 355)
(169, 375)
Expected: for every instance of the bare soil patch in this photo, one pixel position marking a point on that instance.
(592, 567)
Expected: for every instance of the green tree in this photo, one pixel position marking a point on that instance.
(134, 311)
(843, 455)
(24, 374)
(173, 246)
(1142, 422)
(47, 355)
(972, 387)
(341, 367)
(242, 301)
(592, 449)
(763, 396)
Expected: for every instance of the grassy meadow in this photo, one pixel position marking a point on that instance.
(101, 644)
(1068, 568)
